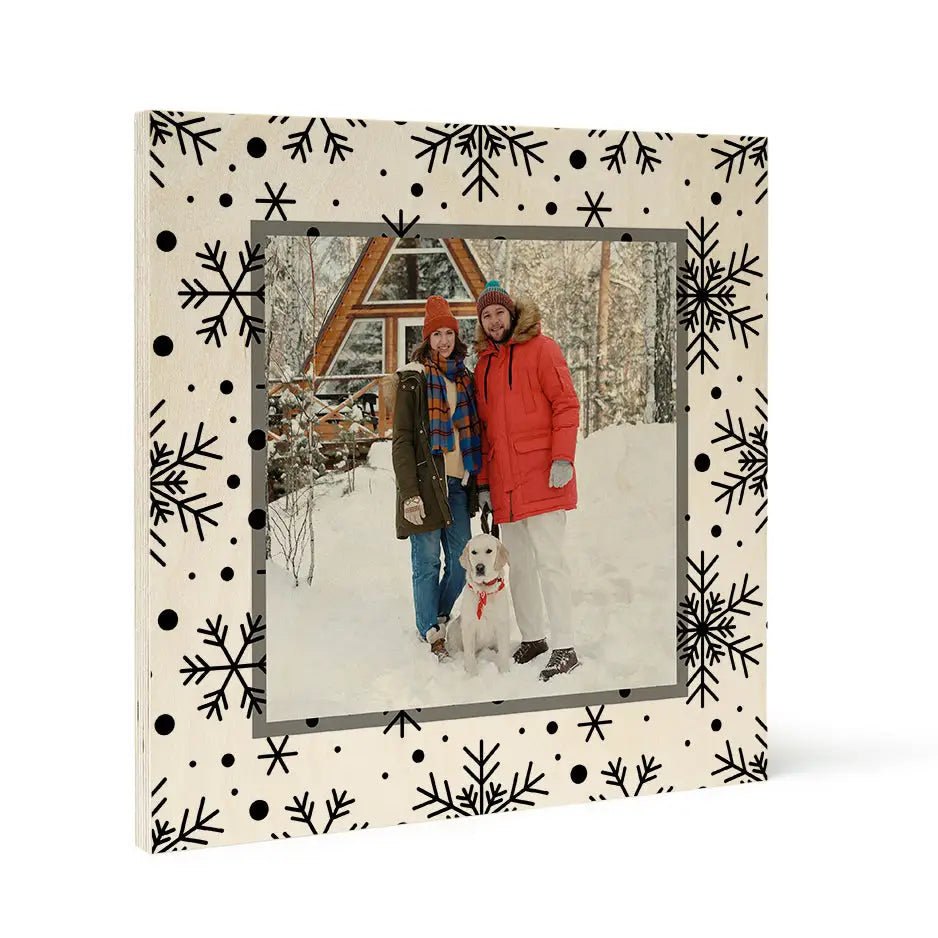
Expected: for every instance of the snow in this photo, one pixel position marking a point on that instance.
(348, 643)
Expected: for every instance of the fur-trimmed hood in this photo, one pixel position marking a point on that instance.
(391, 383)
(527, 325)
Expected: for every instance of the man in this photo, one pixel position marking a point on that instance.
(530, 415)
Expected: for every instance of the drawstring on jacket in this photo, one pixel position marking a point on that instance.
(511, 356)
(488, 365)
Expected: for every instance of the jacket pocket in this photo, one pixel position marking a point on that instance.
(531, 444)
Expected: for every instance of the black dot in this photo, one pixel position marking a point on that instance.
(225, 200)
(226, 387)
(233, 481)
(227, 573)
(716, 198)
(739, 543)
(687, 408)
(191, 387)
(626, 237)
(335, 203)
(166, 241)
(520, 207)
(227, 760)
(702, 462)
(551, 208)
(739, 211)
(556, 179)
(417, 755)
(716, 530)
(716, 725)
(416, 189)
(231, 167)
(232, 419)
(687, 517)
(624, 693)
(645, 210)
(312, 721)
(552, 727)
(521, 730)
(164, 724)
(163, 345)
(578, 159)
(384, 172)
(338, 748)
(190, 198)
(739, 709)
(234, 540)
(168, 620)
(446, 739)
(234, 791)
(191, 576)
(442, 205)
(716, 393)
(739, 378)
(256, 147)
(686, 742)
(257, 439)
(686, 182)
(557, 756)
(578, 774)
(312, 232)
(257, 518)
(646, 718)
(192, 764)
(258, 809)
(384, 774)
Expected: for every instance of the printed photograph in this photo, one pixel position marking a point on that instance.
(471, 471)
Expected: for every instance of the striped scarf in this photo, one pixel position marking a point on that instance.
(466, 418)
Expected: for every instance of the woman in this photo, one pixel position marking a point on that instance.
(436, 452)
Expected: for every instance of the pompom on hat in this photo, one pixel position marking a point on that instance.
(492, 294)
(438, 316)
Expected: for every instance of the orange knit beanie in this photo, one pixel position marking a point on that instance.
(438, 316)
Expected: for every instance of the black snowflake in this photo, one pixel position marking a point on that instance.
(277, 755)
(235, 665)
(736, 154)
(237, 292)
(706, 295)
(706, 628)
(735, 767)
(170, 492)
(166, 126)
(400, 720)
(337, 807)
(594, 208)
(166, 837)
(300, 143)
(752, 449)
(616, 154)
(480, 145)
(399, 228)
(616, 773)
(476, 798)
(594, 722)
(276, 201)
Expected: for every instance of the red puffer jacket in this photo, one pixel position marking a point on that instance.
(530, 414)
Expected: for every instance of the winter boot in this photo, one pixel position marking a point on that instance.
(562, 661)
(437, 643)
(526, 651)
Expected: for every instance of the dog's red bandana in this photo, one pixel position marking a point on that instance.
(484, 594)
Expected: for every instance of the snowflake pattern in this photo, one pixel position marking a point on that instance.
(617, 771)
(706, 296)
(276, 201)
(706, 629)
(170, 492)
(752, 449)
(735, 767)
(737, 154)
(480, 145)
(278, 755)
(166, 837)
(595, 723)
(234, 292)
(475, 798)
(617, 156)
(302, 810)
(300, 143)
(594, 209)
(166, 126)
(236, 665)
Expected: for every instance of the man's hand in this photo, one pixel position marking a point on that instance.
(413, 510)
(485, 499)
(561, 472)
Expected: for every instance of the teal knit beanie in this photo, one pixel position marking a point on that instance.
(493, 293)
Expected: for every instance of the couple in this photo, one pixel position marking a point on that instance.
(505, 439)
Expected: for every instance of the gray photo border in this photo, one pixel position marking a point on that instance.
(260, 230)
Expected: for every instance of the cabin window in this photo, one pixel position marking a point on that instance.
(416, 268)
(362, 353)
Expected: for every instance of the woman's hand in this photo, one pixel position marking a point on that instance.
(485, 499)
(413, 510)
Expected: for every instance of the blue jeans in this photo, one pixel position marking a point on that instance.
(434, 597)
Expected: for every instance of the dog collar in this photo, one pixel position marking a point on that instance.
(484, 594)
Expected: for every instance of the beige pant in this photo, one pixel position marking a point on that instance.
(538, 569)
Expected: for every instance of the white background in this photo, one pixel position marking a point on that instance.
(843, 835)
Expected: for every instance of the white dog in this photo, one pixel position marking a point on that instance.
(483, 620)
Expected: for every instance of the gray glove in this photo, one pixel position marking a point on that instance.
(561, 472)
(485, 499)
(413, 510)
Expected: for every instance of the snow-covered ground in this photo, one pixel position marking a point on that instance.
(348, 643)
